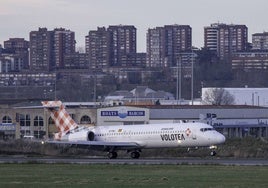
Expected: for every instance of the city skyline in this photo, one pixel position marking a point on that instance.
(19, 17)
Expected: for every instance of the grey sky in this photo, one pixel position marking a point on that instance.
(19, 17)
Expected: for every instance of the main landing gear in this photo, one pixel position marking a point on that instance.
(133, 155)
(112, 155)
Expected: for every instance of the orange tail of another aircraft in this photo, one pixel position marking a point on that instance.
(62, 119)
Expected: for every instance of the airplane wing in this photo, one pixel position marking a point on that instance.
(99, 145)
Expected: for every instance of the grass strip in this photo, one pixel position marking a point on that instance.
(81, 175)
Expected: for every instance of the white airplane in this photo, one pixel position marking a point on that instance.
(132, 138)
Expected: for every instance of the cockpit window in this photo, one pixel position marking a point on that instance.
(206, 129)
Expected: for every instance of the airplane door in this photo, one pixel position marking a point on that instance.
(194, 136)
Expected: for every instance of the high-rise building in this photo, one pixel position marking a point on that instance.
(48, 48)
(41, 49)
(260, 41)
(11, 63)
(140, 60)
(164, 44)
(64, 44)
(20, 47)
(225, 39)
(76, 61)
(155, 47)
(112, 47)
(122, 45)
(97, 48)
(17, 45)
(250, 61)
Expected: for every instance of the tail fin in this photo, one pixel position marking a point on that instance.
(62, 119)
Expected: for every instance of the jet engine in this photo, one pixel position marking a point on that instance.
(90, 136)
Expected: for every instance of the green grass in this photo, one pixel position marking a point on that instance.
(73, 175)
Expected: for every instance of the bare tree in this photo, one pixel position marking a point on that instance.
(218, 96)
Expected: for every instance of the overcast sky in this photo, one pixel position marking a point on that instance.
(19, 17)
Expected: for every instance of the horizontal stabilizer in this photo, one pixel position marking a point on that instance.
(45, 104)
(51, 104)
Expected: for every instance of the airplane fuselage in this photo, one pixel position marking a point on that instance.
(153, 135)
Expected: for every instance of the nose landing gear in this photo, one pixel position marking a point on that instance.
(213, 153)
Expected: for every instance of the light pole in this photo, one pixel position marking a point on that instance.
(180, 66)
(177, 83)
(192, 79)
(95, 88)
(178, 93)
(55, 86)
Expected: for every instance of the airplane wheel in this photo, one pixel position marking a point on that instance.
(112, 155)
(135, 155)
(213, 153)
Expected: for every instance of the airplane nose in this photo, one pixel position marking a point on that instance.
(221, 139)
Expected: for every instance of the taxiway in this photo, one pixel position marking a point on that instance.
(141, 161)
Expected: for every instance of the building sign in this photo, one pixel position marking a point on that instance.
(123, 113)
(7, 127)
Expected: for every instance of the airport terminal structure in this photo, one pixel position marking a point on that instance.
(231, 120)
